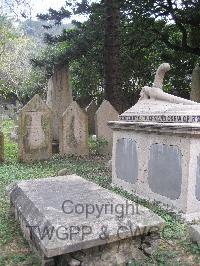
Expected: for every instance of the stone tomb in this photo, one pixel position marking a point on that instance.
(1, 146)
(74, 131)
(35, 131)
(68, 208)
(106, 112)
(156, 149)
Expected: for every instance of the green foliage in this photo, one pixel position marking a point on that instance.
(97, 145)
(17, 76)
(148, 38)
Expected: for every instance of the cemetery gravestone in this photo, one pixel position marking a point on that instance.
(105, 113)
(59, 96)
(35, 131)
(91, 111)
(74, 131)
(155, 149)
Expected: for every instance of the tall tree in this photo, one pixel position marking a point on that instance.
(112, 65)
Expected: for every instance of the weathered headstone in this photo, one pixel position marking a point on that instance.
(156, 149)
(74, 131)
(195, 87)
(91, 111)
(59, 96)
(106, 112)
(35, 131)
(1, 146)
(61, 217)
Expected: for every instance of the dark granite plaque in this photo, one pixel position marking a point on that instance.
(165, 172)
(126, 161)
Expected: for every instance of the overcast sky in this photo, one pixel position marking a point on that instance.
(18, 7)
(42, 6)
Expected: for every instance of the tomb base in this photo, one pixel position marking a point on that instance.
(159, 161)
(60, 218)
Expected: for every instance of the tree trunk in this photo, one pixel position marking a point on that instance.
(112, 67)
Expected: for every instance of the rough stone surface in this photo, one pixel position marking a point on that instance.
(91, 111)
(59, 96)
(194, 232)
(1, 146)
(195, 87)
(74, 131)
(117, 253)
(105, 113)
(54, 204)
(35, 131)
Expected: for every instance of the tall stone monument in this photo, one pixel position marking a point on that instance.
(195, 88)
(91, 111)
(35, 131)
(156, 151)
(59, 96)
(74, 131)
(105, 113)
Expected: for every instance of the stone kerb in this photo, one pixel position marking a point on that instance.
(35, 131)
(74, 131)
(105, 113)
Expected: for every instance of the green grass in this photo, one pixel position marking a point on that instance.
(175, 247)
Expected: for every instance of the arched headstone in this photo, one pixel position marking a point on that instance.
(74, 131)
(105, 113)
(35, 131)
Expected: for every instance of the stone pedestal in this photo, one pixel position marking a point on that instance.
(159, 161)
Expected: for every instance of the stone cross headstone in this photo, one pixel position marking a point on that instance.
(195, 90)
(59, 96)
(1, 146)
(35, 131)
(91, 111)
(74, 131)
(105, 113)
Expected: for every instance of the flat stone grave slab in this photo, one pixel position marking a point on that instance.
(66, 214)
